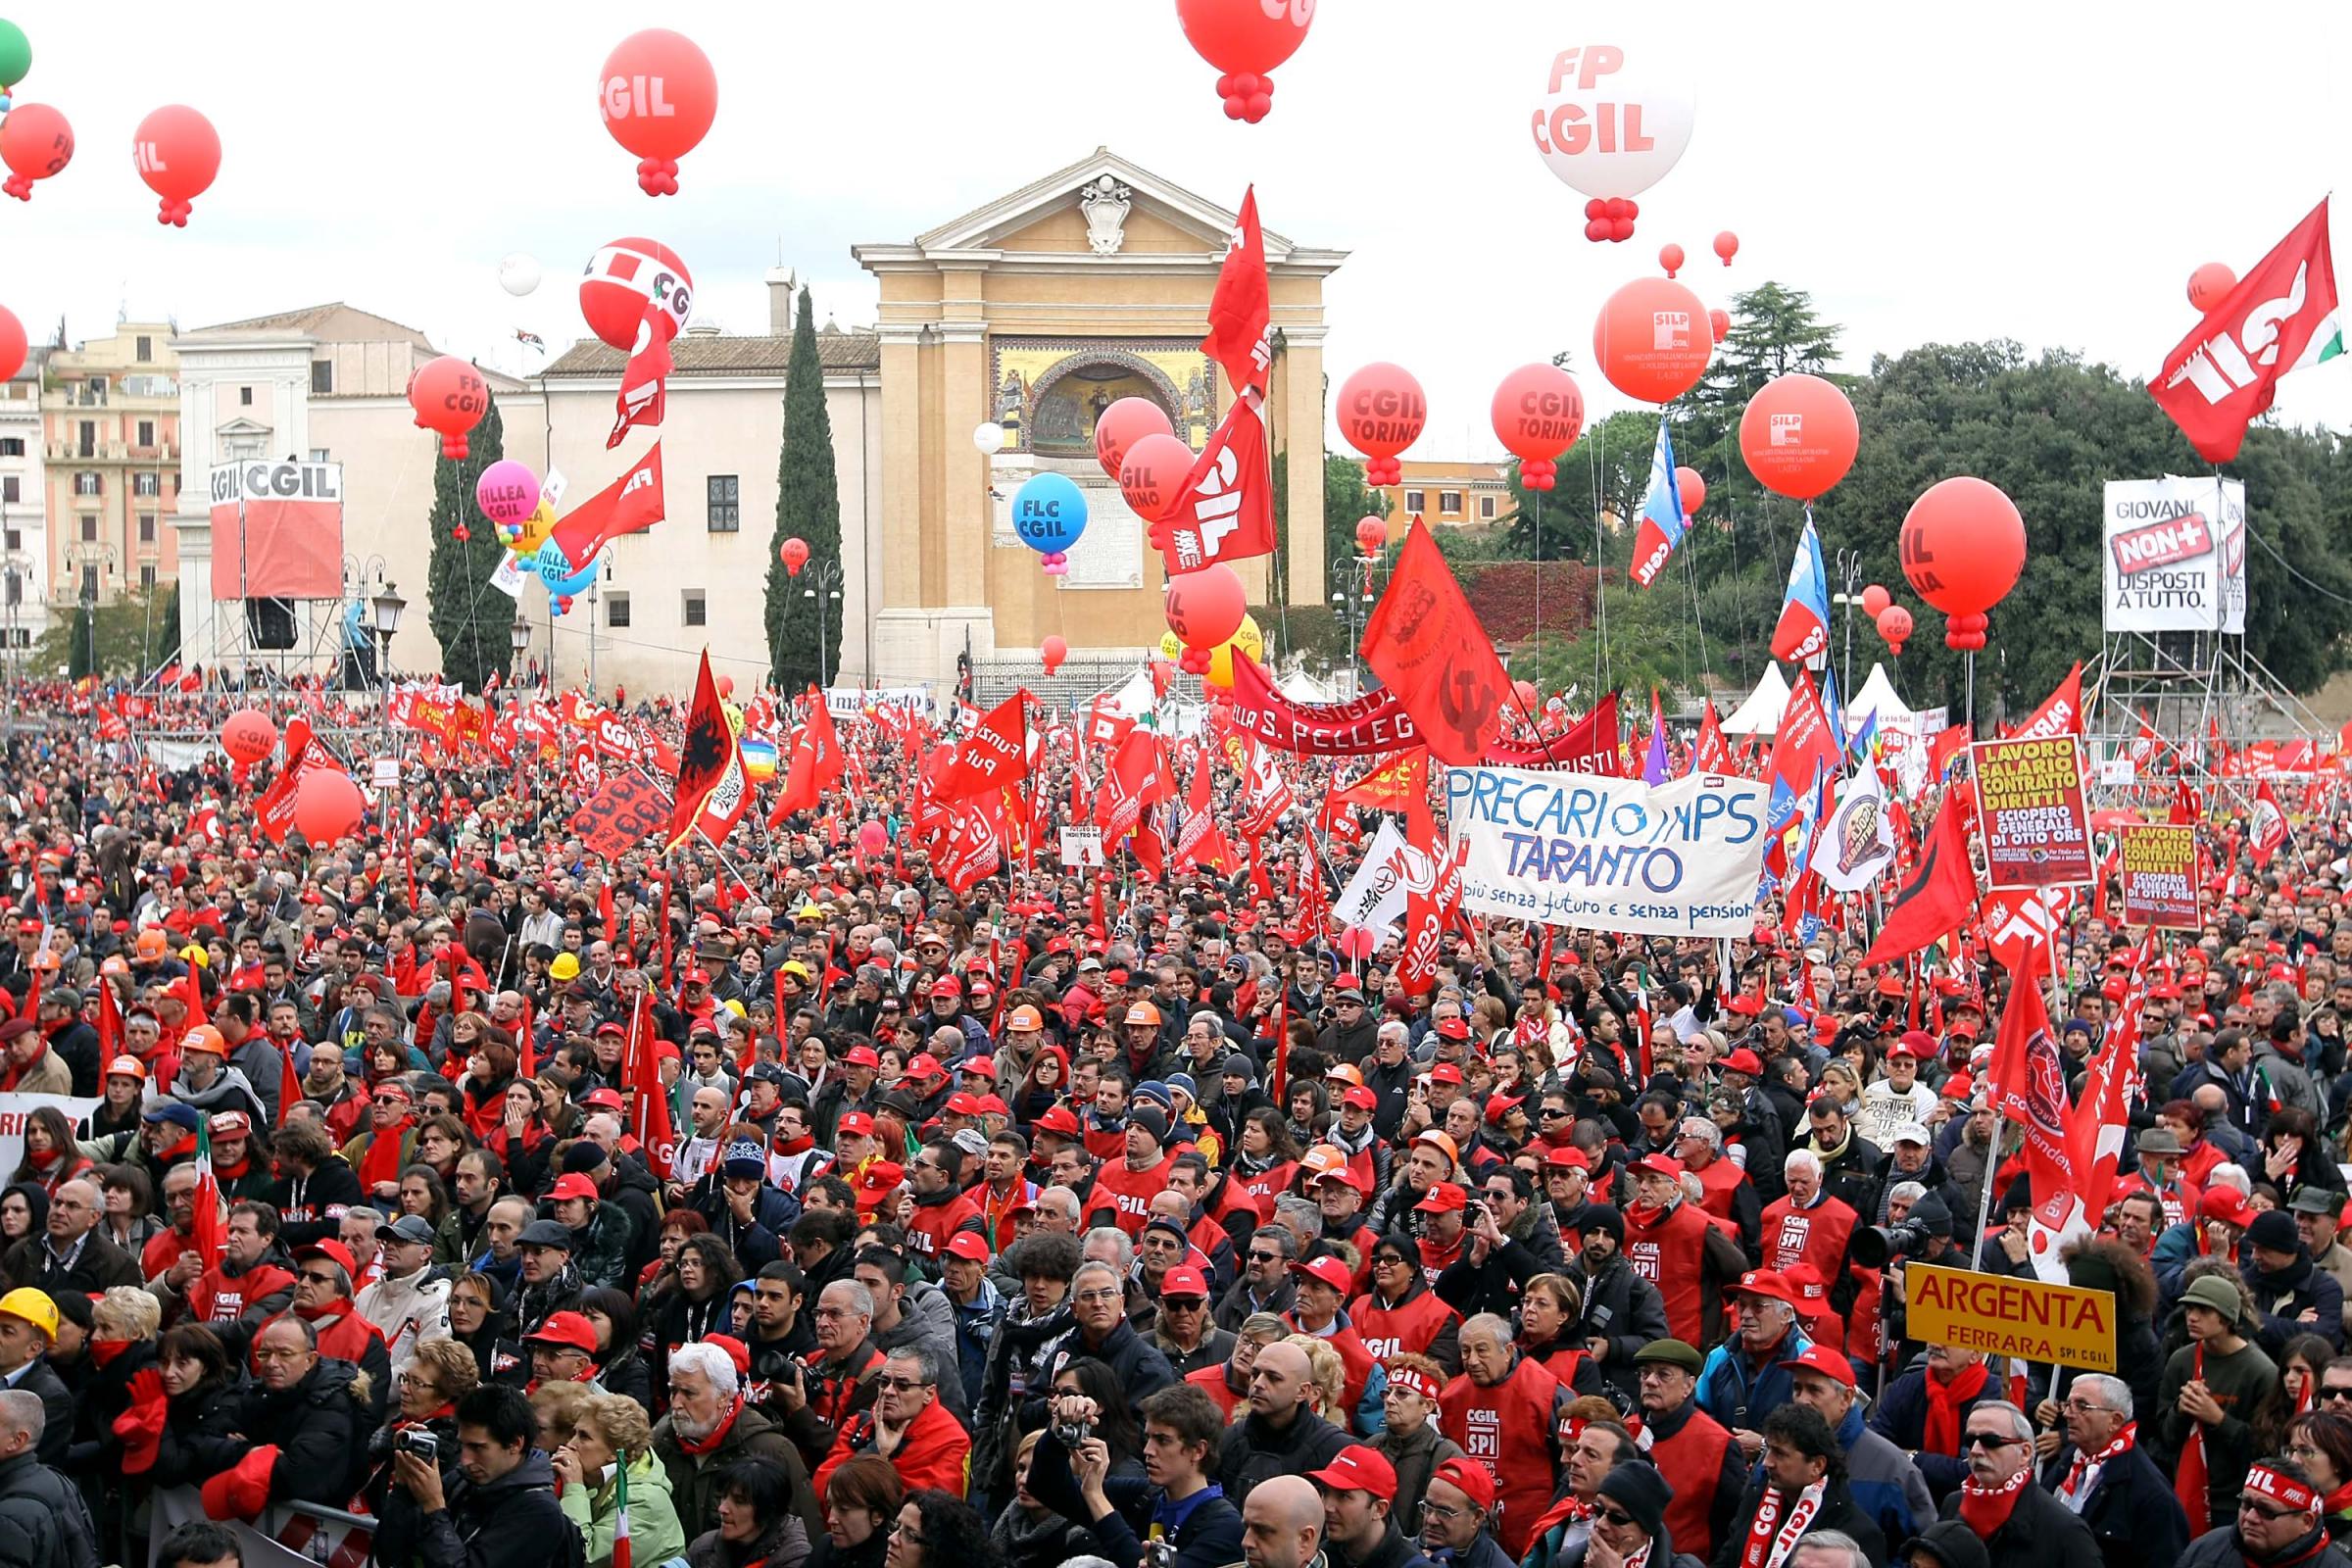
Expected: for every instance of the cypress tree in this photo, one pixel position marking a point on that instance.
(470, 620)
(808, 509)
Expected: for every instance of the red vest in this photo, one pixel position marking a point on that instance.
(1211, 1378)
(1722, 1179)
(1691, 1461)
(1268, 1185)
(1131, 1191)
(1410, 1327)
(1493, 1426)
(215, 1297)
(1666, 1248)
(1816, 1236)
(934, 1223)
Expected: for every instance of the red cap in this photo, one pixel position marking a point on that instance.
(1959, 1086)
(1454, 1028)
(860, 1056)
(879, 1179)
(1359, 1096)
(232, 1124)
(946, 985)
(1469, 1478)
(1058, 1119)
(1183, 1280)
(1658, 1165)
(1826, 1362)
(1445, 1198)
(737, 1352)
(925, 1065)
(1326, 1270)
(971, 1246)
(985, 1066)
(1904, 1048)
(1356, 1468)
(1502, 1105)
(1444, 1073)
(1890, 984)
(605, 1098)
(1766, 1282)
(855, 1121)
(2223, 1204)
(1569, 1158)
(570, 1329)
(1743, 1061)
(571, 1185)
(331, 1250)
(962, 1102)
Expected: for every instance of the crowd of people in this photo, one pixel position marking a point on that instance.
(1071, 1217)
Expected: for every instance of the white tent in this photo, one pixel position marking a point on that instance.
(1300, 687)
(1878, 696)
(1760, 714)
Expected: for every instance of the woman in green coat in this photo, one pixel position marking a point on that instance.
(611, 1438)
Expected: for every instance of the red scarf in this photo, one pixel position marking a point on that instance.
(2338, 1503)
(103, 1351)
(2125, 1441)
(1988, 1508)
(1769, 1539)
(1946, 1403)
(718, 1433)
(382, 1162)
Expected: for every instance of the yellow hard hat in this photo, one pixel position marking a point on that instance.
(566, 967)
(34, 1307)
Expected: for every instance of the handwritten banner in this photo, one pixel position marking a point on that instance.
(2037, 829)
(2160, 876)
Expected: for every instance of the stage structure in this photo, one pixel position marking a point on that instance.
(279, 594)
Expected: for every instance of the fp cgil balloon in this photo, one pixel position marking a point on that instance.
(177, 153)
(1246, 39)
(450, 397)
(35, 142)
(659, 95)
(1614, 118)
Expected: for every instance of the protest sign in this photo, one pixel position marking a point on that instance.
(621, 814)
(2027, 1319)
(2030, 797)
(1082, 846)
(2160, 876)
(1374, 897)
(1598, 854)
(13, 1109)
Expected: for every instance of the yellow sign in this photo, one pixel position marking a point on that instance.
(2059, 1323)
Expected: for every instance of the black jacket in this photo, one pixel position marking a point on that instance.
(1622, 1309)
(2040, 1534)
(513, 1522)
(1838, 1512)
(2133, 1512)
(56, 1409)
(1254, 1452)
(99, 1265)
(1134, 1359)
(1211, 1535)
(200, 1436)
(43, 1522)
(320, 1427)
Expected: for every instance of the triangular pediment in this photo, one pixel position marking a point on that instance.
(1047, 215)
(242, 426)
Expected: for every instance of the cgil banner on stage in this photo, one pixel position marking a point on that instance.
(2173, 556)
(1683, 858)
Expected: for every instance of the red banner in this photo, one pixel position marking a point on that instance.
(621, 816)
(2030, 803)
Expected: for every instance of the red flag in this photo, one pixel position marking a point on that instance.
(527, 1045)
(2061, 713)
(1199, 842)
(994, 754)
(706, 759)
(1136, 777)
(644, 380)
(2280, 317)
(1711, 753)
(2267, 829)
(1390, 786)
(1239, 310)
(1938, 899)
(630, 503)
(649, 1107)
(1429, 913)
(817, 764)
(1224, 511)
(1950, 742)
(1426, 645)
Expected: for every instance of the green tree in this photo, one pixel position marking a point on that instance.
(163, 632)
(124, 643)
(1347, 502)
(470, 619)
(807, 508)
(81, 648)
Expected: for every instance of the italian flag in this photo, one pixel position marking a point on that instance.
(620, 1514)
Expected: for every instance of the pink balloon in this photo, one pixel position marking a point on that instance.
(507, 492)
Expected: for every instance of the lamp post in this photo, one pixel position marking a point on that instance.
(519, 637)
(1846, 569)
(824, 578)
(1351, 597)
(384, 611)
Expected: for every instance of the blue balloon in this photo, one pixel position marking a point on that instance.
(1049, 512)
(555, 571)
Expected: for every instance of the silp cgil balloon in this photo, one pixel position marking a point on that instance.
(1539, 412)
(658, 95)
(35, 142)
(1122, 425)
(1799, 435)
(2209, 285)
(1652, 340)
(1206, 607)
(1691, 489)
(1153, 474)
(507, 492)
(794, 553)
(450, 397)
(1381, 411)
(1613, 119)
(177, 153)
(1246, 39)
(1963, 545)
(1051, 651)
(1727, 246)
(1670, 256)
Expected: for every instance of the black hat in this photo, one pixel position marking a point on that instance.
(584, 1155)
(545, 1233)
(2275, 1229)
(1636, 1487)
(1931, 1213)
(1603, 1217)
(1952, 1543)
(1152, 1120)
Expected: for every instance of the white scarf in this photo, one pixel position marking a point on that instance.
(1769, 1549)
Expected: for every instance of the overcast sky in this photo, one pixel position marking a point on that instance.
(2048, 171)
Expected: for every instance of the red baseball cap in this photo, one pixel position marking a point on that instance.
(1326, 1271)
(1059, 1119)
(2223, 1204)
(1361, 1098)
(1183, 1280)
(925, 1065)
(1454, 1028)
(1356, 1468)
(855, 1121)
(1571, 1158)
(570, 1329)
(860, 1056)
(334, 1251)
(1469, 1478)
(969, 1245)
(1743, 1061)
(962, 1102)
(1826, 1362)
(1766, 1282)
(572, 1184)
(1658, 1165)
(1444, 1198)
(1444, 1073)
(606, 1098)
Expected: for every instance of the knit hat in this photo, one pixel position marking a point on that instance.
(1152, 1120)
(744, 1159)
(1603, 1217)
(1931, 1213)
(2275, 1230)
(1636, 1487)
(1953, 1542)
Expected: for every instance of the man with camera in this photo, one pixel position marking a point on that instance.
(500, 1509)
(1176, 1516)
(909, 1425)
(819, 1399)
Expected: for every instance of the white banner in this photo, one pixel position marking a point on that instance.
(1374, 898)
(13, 1109)
(179, 756)
(1610, 854)
(853, 702)
(2173, 556)
(1857, 842)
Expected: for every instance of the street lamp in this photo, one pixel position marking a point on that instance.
(824, 583)
(518, 637)
(1351, 598)
(1847, 568)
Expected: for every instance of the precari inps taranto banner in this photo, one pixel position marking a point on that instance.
(2160, 875)
(1598, 854)
(2036, 829)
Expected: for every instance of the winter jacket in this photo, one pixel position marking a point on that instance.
(1016, 1364)
(43, 1521)
(1884, 1481)
(99, 1265)
(2281, 1299)
(1901, 1418)
(1837, 1512)
(513, 1522)
(200, 1436)
(933, 1453)
(694, 1478)
(1415, 1458)
(1132, 1360)
(654, 1534)
(784, 1544)
(1741, 1394)
(2221, 1548)
(408, 1311)
(1209, 1534)
(56, 1409)
(927, 1317)
(2042, 1533)
(320, 1427)
(1253, 1450)
(601, 1250)
(2133, 1511)
(1621, 1308)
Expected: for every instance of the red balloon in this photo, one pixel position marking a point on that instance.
(620, 277)
(1799, 435)
(2209, 285)
(1154, 474)
(1692, 489)
(1964, 633)
(35, 142)
(449, 396)
(1670, 256)
(1371, 535)
(659, 96)
(460, 532)
(1895, 624)
(1122, 425)
(12, 347)
(1381, 411)
(1721, 322)
(1524, 692)
(1652, 340)
(1052, 651)
(794, 553)
(1875, 600)
(1727, 246)
(177, 152)
(1539, 412)
(725, 685)
(248, 736)
(1963, 545)
(1246, 39)
(1206, 607)
(327, 806)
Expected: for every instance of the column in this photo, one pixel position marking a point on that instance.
(1302, 434)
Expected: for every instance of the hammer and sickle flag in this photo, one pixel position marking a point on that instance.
(1426, 645)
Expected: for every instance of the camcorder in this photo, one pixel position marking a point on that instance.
(1873, 1245)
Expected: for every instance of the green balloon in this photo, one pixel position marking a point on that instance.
(15, 53)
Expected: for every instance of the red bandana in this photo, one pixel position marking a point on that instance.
(1988, 1508)
(2084, 1463)
(718, 1433)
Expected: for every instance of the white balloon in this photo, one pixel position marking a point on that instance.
(518, 275)
(1616, 115)
(989, 438)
